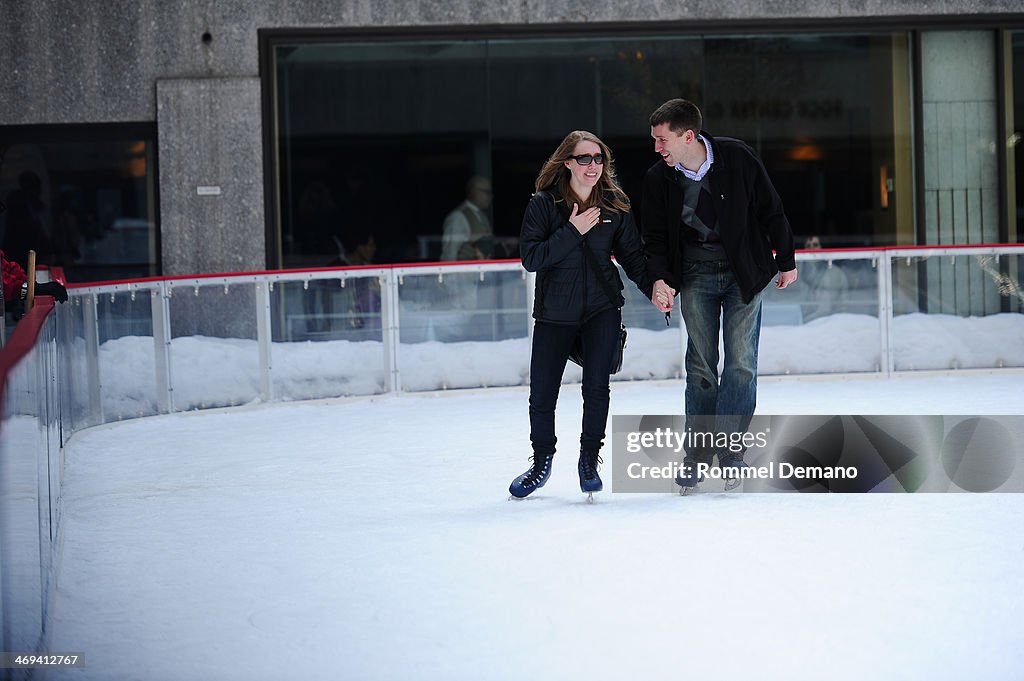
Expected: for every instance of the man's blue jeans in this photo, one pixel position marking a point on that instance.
(709, 294)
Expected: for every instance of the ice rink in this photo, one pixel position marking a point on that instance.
(373, 539)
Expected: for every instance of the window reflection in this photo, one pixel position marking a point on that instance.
(388, 134)
(823, 115)
(82, 198)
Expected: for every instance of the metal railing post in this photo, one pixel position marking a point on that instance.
(91, 331)
(264, 335)
(886, 296)
(161, 316)
(390, 330)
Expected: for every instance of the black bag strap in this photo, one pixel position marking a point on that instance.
(592, 261)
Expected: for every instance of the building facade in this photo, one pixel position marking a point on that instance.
(142, 138)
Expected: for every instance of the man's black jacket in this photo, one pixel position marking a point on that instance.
(751, 221)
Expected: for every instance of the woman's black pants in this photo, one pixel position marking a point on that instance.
(551, 346)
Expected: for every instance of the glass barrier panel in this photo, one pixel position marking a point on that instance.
(22, 443)
(25, 509)
(957, 311)
(327, 338)
(653, 348)
(214, 356)
(826, 322)
(79, 405)
(463, 329)
(127, 354)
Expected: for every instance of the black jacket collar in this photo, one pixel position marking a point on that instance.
(671, 174)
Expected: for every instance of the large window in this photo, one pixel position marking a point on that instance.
(82, 198)
(383, 138)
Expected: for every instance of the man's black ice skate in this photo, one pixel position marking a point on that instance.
(732, 470)
(590, 481)
(534, 478)
(688, 476)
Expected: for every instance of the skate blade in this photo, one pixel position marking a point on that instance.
(590, 497)
(732, 483)
(687, 491)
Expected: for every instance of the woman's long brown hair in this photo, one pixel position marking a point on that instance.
(554, 175)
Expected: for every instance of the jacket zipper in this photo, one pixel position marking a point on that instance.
(586, 268)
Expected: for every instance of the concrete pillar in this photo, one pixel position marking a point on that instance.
(210, 156)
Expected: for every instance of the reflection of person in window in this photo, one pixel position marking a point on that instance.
(25, 209)
(467, 229)
(357, 246)
(316, 220)
(66, 236)
(827, 282)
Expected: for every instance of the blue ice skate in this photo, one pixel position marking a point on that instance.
(534, 478)
(734, 466)
(688, 476)
(590, 481)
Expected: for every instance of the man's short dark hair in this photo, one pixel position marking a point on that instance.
(680, 114)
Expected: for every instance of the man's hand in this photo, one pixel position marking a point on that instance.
(785, 278)
(662, 295)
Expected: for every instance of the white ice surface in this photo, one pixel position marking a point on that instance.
(373, 539)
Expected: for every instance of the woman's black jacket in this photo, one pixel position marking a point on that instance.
(568, 291)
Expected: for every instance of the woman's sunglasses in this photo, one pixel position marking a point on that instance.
(586, 159)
